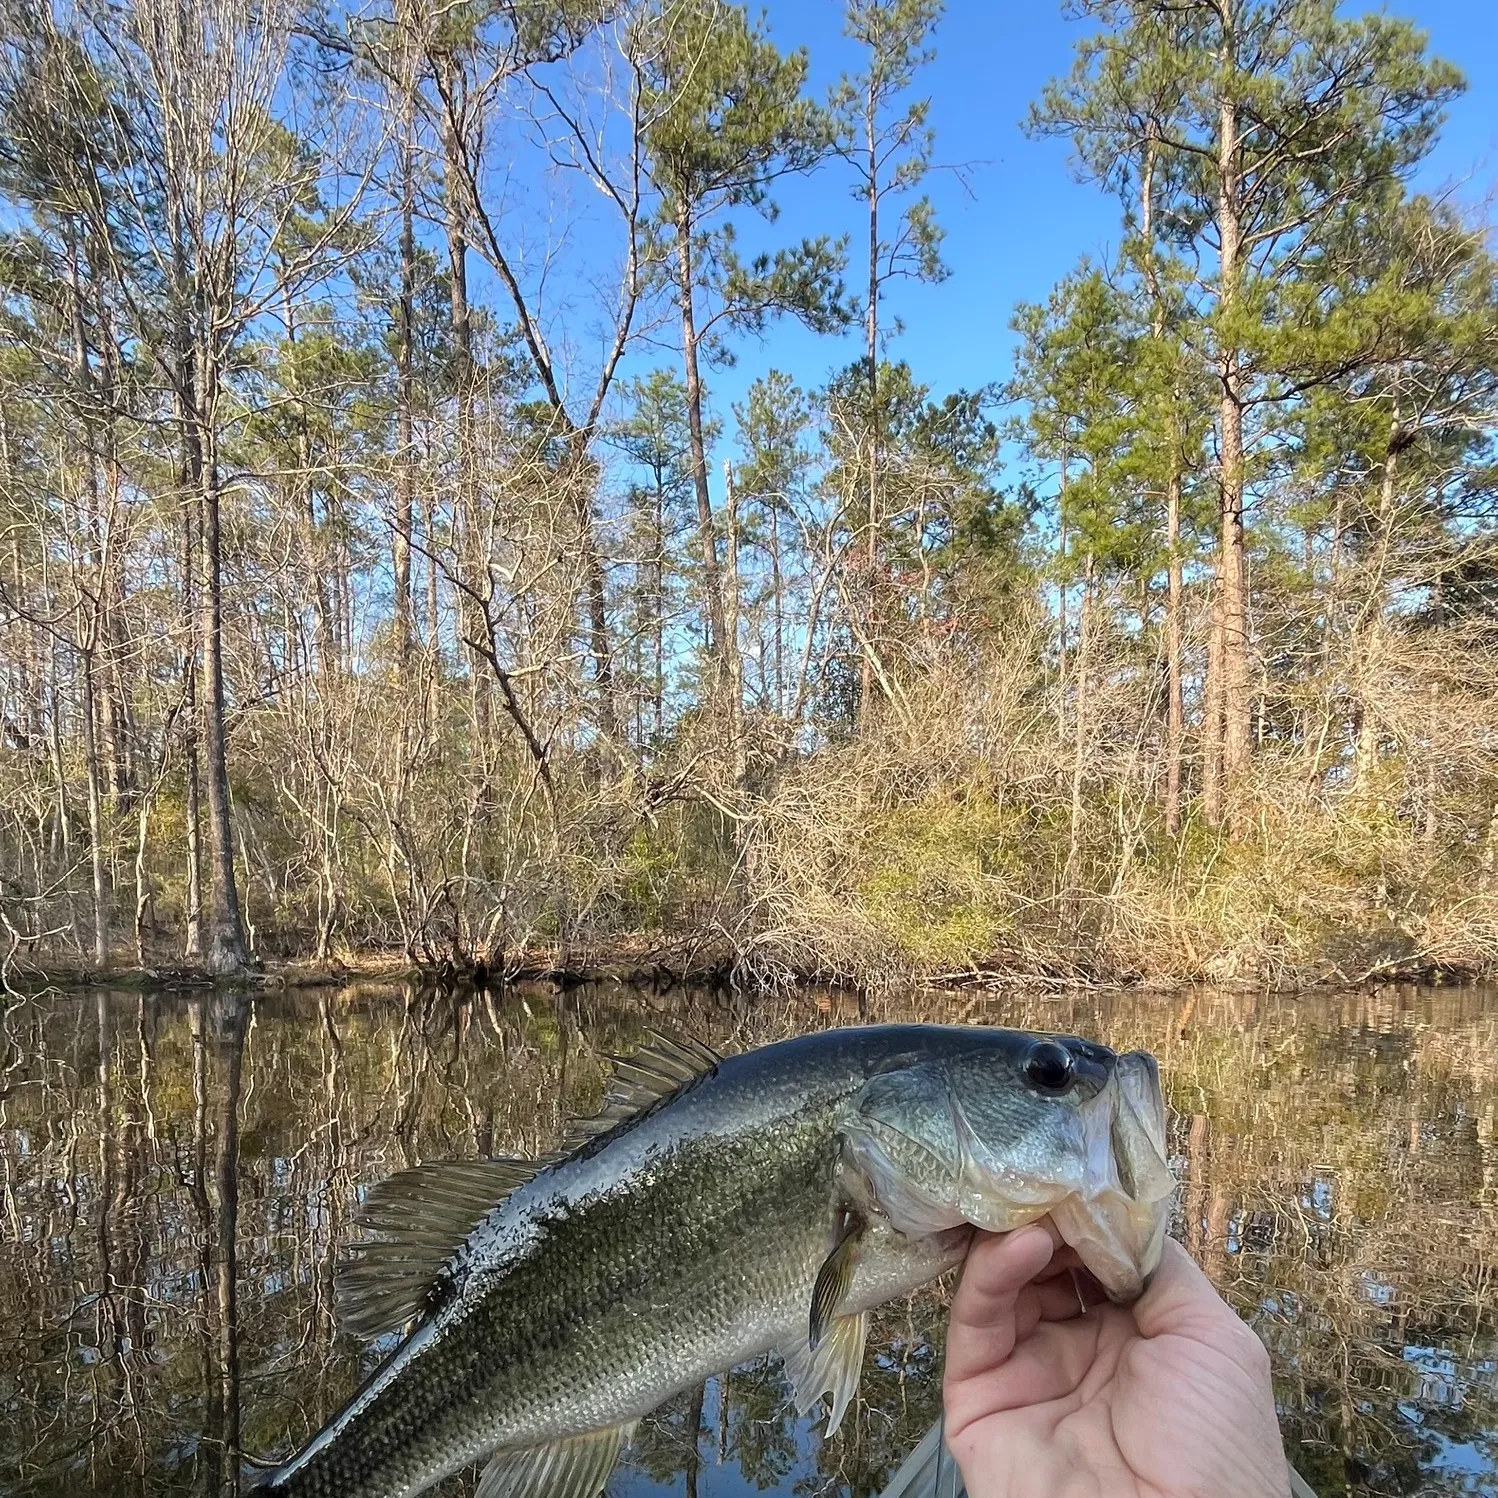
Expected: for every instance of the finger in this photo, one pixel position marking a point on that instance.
(1182, 1301)
(1065, 1296)
(983, 1327)
(1064, 1288)
(1180, 1298)
(1045, 1365)
(1066, 1260)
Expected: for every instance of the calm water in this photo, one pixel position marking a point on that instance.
(179, 1173)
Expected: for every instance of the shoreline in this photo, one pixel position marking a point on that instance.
(687, 964)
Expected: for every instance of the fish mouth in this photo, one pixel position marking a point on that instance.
(1116, 1220)
(1112, 1205)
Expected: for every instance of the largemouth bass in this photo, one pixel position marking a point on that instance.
(720, 1208)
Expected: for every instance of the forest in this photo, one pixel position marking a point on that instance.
(361, 594)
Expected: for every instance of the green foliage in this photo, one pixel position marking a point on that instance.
(943, 507)
(886, 143)
(654, 435)
(1329, 112)
(724, 109)
(649, 881)
(774, 424)
(725, 118)
(803, 280)
(1339, 105)
(926, 879)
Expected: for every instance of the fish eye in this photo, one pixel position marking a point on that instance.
(1049, 1066)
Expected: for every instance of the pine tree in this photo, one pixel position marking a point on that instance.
(655, 437)
(773, 425)
(888, 144)
(1259, 122)
(726, 117)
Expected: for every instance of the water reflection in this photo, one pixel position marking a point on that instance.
(177, 1174)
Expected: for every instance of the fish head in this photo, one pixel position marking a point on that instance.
(1014, 1127)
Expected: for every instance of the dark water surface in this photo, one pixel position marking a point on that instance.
(178, 1174)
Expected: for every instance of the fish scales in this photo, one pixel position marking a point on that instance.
(703, 1247)
(684, 1241)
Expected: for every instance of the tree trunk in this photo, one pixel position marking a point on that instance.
(62, 828)
(429, 530)
(190, 483)
(114, 700)
(457, 264)
(1175, 707)
(777, 602)
(731, 637)
(1432, 718)
(707, 537)
(192, 942)
(1211, 736)
(580, 486)
(462, 327)
(405, 484)
(1175, 714)
(658, 609)
(316, 555)
(871, 555)
(1061, 597)
(88, 623)
(1079, 739)
(1366, 762)
(142, 887)
(119, 726)
(226, 944)
(95, 810)
(1233, 693)
(468, 547)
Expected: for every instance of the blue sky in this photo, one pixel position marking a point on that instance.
(1025, 221)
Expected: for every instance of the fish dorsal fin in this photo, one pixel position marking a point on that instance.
(422, 1217)
(833, 1368)
(661, 1068)
(577, 1467)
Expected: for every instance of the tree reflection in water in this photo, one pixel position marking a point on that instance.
(179, 1174)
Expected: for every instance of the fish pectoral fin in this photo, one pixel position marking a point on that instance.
(833, 1367)
(577, 1467)
(834, 1280)
(421, 1216)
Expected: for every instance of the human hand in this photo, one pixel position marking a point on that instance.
(1167, 1398)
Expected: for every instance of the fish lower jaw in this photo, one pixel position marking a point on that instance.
(1118, 1240)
